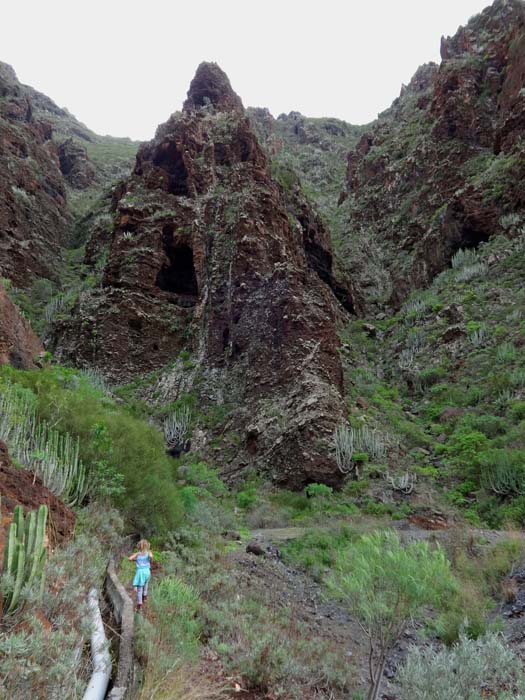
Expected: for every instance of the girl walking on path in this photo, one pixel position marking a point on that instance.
(142, 559)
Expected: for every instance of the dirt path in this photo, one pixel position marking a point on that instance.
(328, 619)
(407, 531)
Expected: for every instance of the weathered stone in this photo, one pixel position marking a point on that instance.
(75, 165)
(450, 414)
(256, 548)
(206, 257)
(33, 214)
(453, 333)
(19, 346)
(440, 166)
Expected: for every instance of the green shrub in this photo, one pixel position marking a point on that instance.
(464, 447)
(386, 584)
(503, 471)
(516, 411)
(111, 437)
(431, 376)
(201, 476)
(247, 497)
(316, 551)
(458, 496)
(463, 672)
(354, 488)
(491, 426)
(174, 606)
(318, 491)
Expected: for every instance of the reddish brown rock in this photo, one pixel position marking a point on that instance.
(430, 521)
(447, 160)
(19, 346)
(75, 165)
(209, 255)
(20, 487)
(451, 413)
(33, 216)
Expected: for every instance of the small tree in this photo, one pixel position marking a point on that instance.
(385, 585)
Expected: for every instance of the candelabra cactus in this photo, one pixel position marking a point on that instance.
(24, 553)
(404, 482)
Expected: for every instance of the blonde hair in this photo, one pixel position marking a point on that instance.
(143, 546)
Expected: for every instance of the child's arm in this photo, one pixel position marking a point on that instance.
(133, 557)
(150, 556)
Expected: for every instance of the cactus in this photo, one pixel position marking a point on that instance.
(344, 448)
(51, 455)
(404, 483)
(24, 553)
(176, 426)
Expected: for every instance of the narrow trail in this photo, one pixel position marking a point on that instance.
(408, 532)
(313, 613)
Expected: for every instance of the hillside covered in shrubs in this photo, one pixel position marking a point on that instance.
(289, 352)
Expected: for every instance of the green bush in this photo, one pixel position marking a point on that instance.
(318, 491)
(516, 411)
(202, 477)
(112, 442)
(503, 471)
(385, 585)
(431, 376)
(463, 672)
(174, 606)
(491, 426)
(464, 447)
(317, 551)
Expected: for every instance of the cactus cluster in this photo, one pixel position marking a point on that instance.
(24, 554)
(52, 456)
(176, 426)
(402, 482)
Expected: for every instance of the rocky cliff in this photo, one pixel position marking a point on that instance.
(33, 214)
(208, 257)
(52, 170)
(19, 346)
(444, 167)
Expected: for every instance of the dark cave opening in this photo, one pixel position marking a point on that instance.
(169, 158)
(469, 236)
(320, 260)
(177, 275)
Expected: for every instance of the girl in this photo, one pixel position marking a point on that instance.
(142, 559)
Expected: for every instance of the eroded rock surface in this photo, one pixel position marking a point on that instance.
(19, 346)
(33, 215)
(207, 256)
(445, 164)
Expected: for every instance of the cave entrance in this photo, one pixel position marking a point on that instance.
(470, 236)
(169, 158)
(177, 275)
(320, 260)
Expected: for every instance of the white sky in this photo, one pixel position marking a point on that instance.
(123, 66)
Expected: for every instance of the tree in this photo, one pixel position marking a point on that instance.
(385, 585)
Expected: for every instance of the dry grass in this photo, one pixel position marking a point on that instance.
(509, 590)
(182, 682)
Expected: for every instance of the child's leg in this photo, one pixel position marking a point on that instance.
(139, 590)
(146, 590)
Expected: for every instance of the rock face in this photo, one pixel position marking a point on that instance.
(20, 487)
(19, 346)
(206, 257)
(75, 165)
(445, 164)
(33, 216)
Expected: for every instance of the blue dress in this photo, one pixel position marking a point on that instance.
(143, 572)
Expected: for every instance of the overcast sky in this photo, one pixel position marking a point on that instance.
(123, 66)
